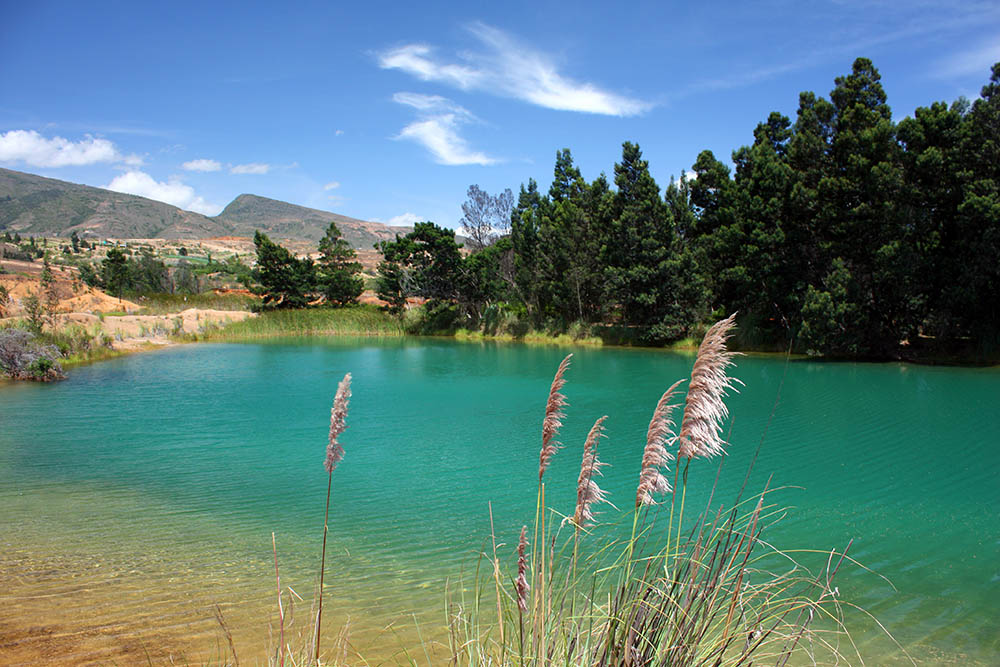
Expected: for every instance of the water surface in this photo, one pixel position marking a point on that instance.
(143, 491)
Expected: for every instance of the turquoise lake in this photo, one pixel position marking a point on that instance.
(143, 491)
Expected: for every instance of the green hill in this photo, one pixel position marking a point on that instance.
(33, 205)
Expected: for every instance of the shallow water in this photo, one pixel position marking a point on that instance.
(143, 491)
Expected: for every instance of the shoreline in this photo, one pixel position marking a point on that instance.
(136, 333)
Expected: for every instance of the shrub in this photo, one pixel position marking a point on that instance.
(22, 357)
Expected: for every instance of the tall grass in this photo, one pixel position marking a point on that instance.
(359, 320)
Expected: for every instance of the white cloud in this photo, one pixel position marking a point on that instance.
(510, 69)
(172, 192)
(32, 148)
(405, 220)
(202, 164)
(687, 176)
(332, 185)
(251, 168)
(338, 133)
(432, 103)
(437, 129)
(439, 136)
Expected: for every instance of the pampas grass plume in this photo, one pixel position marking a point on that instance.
(655, 456)
(587, 491)
(705, 409)
(553, 418)
(521, 584)
(338, 422)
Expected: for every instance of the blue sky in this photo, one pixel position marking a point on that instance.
(389, 111)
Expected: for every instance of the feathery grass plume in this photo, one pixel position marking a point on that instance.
(704, 409)
(553, 418)
(522, 569)
(587, 491)
(338, 422)
(334, 453)
(655, 455)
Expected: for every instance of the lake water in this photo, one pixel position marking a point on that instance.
(142, 492)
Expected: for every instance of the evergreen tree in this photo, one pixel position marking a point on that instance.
(524, 229)
(338, 269)
(114, 272)
(977, 284)
(569, 243)
(860, 223)
(284, 280)
(424, 263)
(50, 297)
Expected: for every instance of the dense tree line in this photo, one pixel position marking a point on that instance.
(842, 232)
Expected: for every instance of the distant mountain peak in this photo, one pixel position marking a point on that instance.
(33, 205)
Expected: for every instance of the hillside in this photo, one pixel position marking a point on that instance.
(36, 206)
(33, 205)
(279, 219)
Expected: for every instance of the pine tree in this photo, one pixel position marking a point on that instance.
(284, 280)
(338, 269)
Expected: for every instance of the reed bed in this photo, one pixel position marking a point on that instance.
(360, 320)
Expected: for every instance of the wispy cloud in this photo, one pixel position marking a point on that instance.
(508, 68)
(172, 192)
(250, 168)
(30, 147)
(885, 22)
(977, 60)
(437, 129)
(332, 185)
(202, 164)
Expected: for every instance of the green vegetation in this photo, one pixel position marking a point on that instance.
(358, 320)
(285, 281)
(843, 234)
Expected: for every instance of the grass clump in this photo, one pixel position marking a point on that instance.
(703, 592)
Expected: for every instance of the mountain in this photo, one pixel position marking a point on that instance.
(279, 219)
(33, 205)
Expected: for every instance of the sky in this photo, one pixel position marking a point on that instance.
(390, 111)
